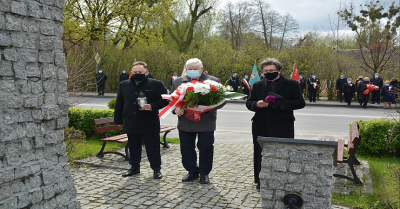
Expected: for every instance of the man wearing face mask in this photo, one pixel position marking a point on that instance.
(349, 90)
(375, 95)
(234, 81)
(141, 122)
(101, 78)
(245, 87)
(313, 84)
(273, 119)
(203, 129)
(339, 86)
(123, 76)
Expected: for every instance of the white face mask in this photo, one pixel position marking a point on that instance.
(349, 82)
(246, 76)
(313, 76)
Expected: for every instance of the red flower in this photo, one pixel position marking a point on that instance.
(213, 88)
(193, 81)
(190, 88)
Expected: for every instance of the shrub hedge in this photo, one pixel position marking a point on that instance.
(379, 137)
(82, 119)
(111, 103)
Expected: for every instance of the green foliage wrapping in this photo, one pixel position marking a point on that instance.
(379, 137)
(82, 119)
(111, 103)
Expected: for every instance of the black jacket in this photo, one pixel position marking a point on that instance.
(349, 90)
(377, 82)
(310, 82)
(127, 111)
(101, 78)
(339, 84)
(244, 87)
(123, 76)
(279, 122)
(234, 81)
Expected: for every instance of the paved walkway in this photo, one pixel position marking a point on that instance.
(99, 184)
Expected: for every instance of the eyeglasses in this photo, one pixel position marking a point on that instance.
(269, 71)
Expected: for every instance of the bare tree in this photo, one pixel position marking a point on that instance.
(289, 25)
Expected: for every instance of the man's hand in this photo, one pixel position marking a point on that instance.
(179, 111)
(262, 104)
(146, 107)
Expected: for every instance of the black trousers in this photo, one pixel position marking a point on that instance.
(340, 96)
(375, 97)
(363, 99)
(100, 89)
(152, 145)
(348, 100)
(205, 144)
(312, 94)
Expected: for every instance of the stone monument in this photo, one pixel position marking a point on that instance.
(34, 171)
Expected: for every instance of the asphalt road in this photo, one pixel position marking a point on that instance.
(312, 122)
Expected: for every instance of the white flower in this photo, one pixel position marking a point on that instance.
(213, 83)
(201, 88)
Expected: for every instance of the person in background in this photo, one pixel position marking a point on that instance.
(387, 93)
(339, 86)
(141, 122)
(262, 77)
(313, 85)
(245, 88)
(101, 78)
(363, 95)
(172, 79)
(359, 79)
(376, 95)
(272, 118)
(124, 76)
(349, 89)
(234, 81)
(395, 84)
(203, 129)
(302, 84)
(206, 72)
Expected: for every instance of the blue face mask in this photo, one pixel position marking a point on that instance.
(193, 73)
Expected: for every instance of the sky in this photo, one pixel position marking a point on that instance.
(310, 14)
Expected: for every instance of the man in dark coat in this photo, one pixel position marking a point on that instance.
(302, 84)
(361, 87)
(376, 95)
(273, 119)
(339, 86)
(101, 78)
(123, 76)
(349, 90)
(234, 81)
(141, 122)
(245, 88)
(203, 129)
(313, 85)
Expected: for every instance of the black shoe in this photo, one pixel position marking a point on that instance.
(258, 186)
(372, 102)
(190, 177)
(157, 175)
(204, 179)
(131, 172)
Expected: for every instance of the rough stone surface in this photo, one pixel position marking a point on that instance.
(34, 169)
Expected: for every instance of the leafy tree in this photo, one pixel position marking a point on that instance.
(376, 33)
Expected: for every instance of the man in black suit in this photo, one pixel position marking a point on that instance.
(302, 84)
(101, 78)
(363, 95)
(339, 86)
(375, 95)
(141, 122)
(313, 84)
(234, 81)
(245, 88)
(123, 76)
(274, 119)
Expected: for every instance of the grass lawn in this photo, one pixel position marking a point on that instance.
(91, 146)
(385, 183)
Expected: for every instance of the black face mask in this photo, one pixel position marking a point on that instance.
(138, 77)
(271, 76)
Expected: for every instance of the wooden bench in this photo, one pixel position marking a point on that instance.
(107, 124)
(352, 144)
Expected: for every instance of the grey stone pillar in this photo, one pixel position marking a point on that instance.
(294, 166)
(34, 172)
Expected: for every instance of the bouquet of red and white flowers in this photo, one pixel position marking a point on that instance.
(197, 97)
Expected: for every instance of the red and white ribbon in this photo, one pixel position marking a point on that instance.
(175, 98)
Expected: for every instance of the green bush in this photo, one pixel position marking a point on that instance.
(111, 103)
(82, 119)
(379, 137)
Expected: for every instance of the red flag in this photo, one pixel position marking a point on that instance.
(295, 73)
